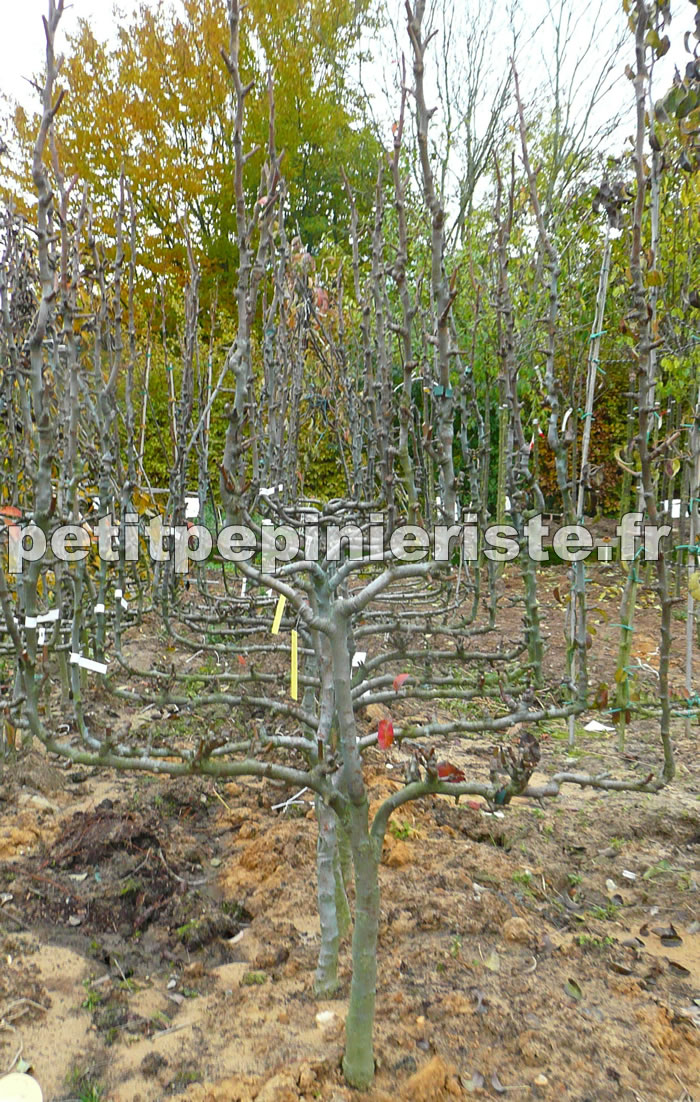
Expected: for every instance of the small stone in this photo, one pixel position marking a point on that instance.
(517, 930)
(307, 1078)
(541, 1081)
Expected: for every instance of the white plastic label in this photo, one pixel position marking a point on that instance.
(87, 663)
(48, 617)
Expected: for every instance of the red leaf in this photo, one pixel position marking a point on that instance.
(399, 680)
(10, 511)
(601, 698)
(474, 805)
(241, 660)
(449, 772)
(385, 733)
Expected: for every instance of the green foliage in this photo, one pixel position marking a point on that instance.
(160, 99)
(253, 979)
(83, 1084)
(321, 468)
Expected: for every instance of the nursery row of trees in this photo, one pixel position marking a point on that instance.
(416, 363)
(167, 124)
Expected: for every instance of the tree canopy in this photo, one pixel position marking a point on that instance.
(157, 105)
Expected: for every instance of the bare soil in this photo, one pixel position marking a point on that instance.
(158, 938)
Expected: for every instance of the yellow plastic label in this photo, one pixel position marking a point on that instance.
(278, 615)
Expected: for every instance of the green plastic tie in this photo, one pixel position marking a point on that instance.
(599, 334)
(625, 627)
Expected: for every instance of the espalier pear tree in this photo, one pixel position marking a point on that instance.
(308, 610)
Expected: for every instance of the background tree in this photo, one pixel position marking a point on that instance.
(157, 98)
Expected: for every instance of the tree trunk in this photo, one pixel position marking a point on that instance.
(358, 1062)
(333, 909)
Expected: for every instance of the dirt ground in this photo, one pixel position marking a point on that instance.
(158, 939)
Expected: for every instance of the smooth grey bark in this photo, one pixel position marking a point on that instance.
(358, 1060)
(333, 907)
